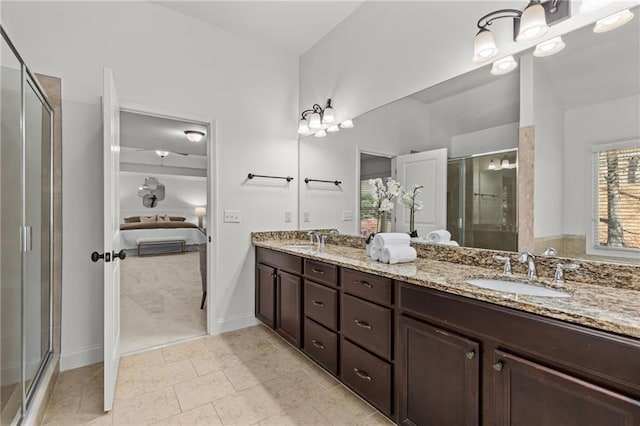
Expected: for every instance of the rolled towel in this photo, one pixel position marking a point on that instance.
(398, 254)
(375, 253)
(439, 236)
(449, 243)
(387, 239)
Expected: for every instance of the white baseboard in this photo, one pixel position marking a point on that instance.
(234, 323)
(81, 357)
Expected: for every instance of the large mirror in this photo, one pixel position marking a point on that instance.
(547, 155)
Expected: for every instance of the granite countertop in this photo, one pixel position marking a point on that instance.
(614, 310)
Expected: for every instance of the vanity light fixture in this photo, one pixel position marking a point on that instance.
(492, 165)
(194, 135)
(319, 121)
(549, 47)
(504, 65)
(505, 163)
(528, 25)
(162, 154)
(614, 21)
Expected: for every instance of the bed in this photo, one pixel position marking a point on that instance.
(176, 229)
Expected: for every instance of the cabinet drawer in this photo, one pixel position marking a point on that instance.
(321, 304)
(320, 271)
(367, 286)
(321, 345)
(367, 375)
(280, 260)
(367, 324)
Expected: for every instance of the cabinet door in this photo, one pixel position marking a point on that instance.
(527, 393)
(438, 371)
(289, 307)
(266, 295)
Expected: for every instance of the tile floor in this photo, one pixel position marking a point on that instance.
(160, 301)
(245, 377)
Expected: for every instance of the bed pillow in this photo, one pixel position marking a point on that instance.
(177, 218)
(163, 218)
(132, 219)
(148, 219)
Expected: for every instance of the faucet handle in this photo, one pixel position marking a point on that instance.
(525, 256)
(558, 277)
(310, 235)
(550, 252)
(507, 264)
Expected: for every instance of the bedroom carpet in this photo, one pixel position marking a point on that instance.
(160, 301)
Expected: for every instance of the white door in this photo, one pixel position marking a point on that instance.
(112, 254)
(429, 169)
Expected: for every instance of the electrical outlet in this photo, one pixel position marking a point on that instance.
(287, 216)
(232, 216)
(347, 216)
(306, 217)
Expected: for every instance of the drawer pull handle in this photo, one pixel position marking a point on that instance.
(316, 303)
(363, 324)
(362, 374)
(364, 283)
(317, 344)
(317, 271)
(471, 354)
(498, 366)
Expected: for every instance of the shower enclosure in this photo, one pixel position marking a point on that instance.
(26, 136)
(482, 200)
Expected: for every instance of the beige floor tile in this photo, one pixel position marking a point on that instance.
(146, 408)
(129, 384)
(295, 416)
(200, 416)
(253, 372)
(182, 351)
(158, 377)
(215, 361)
(376, 419)
(141, 361)
(247, 407)
(326, 380)
(201, 390)
(292, 389)
(341, 407)
(103, 419)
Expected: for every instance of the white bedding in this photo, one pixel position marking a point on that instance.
(129, 237)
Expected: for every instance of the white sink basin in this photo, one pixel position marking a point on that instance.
(517, 288)
(299, 246)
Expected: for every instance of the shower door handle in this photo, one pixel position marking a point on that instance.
(26, 238)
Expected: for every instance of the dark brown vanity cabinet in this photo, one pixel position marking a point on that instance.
(279, 293)
(467, 362)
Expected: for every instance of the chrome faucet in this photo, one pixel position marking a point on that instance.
(550, 252)
(558, 278)
(311, 234)
(528, 258)
(507, 272)
(334, 231)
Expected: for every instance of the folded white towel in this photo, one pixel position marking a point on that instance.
(375, 253)
(449, 243)
(387, 239)
(398, 254)
(439, 236)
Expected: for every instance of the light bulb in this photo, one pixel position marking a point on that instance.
(614, 21)
(504, 65)
(333, 128)
(505, 163)
(314, 121)
(321, 134)
(162, 153)
(347, 124)
(484, 47)
(194, 135)
(492, 165)
(328, 117)
(549, 47)
(533, 22)
(303, 127)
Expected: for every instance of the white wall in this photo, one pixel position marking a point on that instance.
(172, 62)
(586, 127)
(182, 195)
(387, 50)
(391, 130)
(486, 140)
(548, 119)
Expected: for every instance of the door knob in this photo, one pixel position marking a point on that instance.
(498, 366)
(120, 255)
(95, 256)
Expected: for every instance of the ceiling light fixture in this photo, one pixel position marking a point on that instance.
(549, 47)
(319, 121)
(194, 135)
(504, 65)
(614, 21)
(162, 154)
(528, 25)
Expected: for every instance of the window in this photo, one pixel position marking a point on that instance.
(368, 213)
(617, 194)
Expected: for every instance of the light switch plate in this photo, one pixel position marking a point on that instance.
(287, 216)
(232, 216)
(306, 217)
(347, 216)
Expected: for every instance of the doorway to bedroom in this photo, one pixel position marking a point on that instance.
(163, 209)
